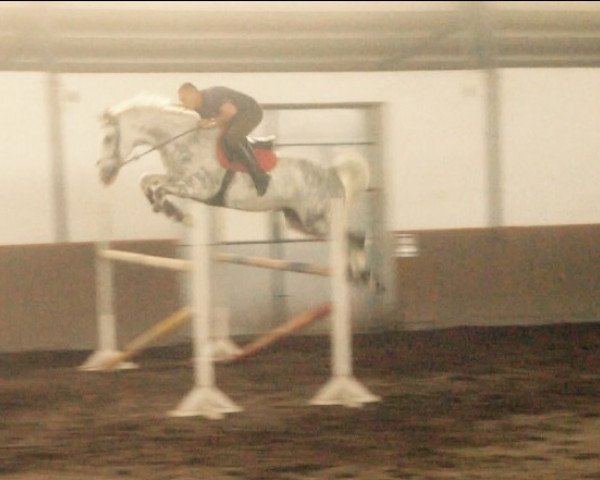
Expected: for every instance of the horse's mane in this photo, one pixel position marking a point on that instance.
(145, 100)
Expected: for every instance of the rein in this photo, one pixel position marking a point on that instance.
(160, 145)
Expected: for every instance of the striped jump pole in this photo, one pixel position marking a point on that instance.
(342, 388)
(233, 353)
(145, 260)
(158, 330)
(273, 264)
(299, 321)
(184, 265)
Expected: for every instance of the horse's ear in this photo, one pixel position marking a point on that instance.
(104, 118)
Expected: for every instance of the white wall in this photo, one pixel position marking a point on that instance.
(434, 153)
(436, 150)
(25, 194)
(551, 146)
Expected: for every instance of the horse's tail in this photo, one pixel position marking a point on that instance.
(353, 171)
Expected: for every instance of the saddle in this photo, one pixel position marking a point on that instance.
(262, 142)
(263, 151)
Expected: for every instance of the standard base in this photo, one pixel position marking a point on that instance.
(223, 349)
(98, 360)
(208, 402)
(346, 391)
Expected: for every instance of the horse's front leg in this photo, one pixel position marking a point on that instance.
(156, 187)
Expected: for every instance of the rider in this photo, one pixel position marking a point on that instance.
(237, 114)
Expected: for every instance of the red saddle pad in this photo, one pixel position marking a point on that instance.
(265, 158)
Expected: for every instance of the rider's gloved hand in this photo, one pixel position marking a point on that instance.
(207, 123)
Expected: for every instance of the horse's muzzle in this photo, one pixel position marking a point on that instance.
(108, 171)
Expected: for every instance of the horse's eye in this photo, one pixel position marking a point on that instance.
(108, 139)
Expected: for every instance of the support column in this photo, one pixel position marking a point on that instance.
(484, 50)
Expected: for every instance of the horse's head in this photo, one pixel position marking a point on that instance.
(141, 120)
(111, 156)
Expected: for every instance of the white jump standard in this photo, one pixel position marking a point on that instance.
(106, 350)
(342, 388)
(205, 399)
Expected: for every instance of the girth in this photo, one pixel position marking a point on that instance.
(218, 200)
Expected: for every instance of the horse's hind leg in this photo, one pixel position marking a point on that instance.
(315, 225)
(358, 263)
(296, 222)
(357, 256)
(319, 226)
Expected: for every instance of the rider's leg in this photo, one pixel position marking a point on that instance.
(234, 141)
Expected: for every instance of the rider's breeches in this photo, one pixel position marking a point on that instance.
(234, 137)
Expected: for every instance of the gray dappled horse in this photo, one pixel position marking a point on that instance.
(301, 189)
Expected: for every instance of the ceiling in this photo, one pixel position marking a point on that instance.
(296, 36)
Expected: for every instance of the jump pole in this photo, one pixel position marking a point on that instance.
(273, 264)
(299, 321)
(108, 357)
(155, 332)
(205, 399)
(181, 316)
(184, 265)
(342, 388)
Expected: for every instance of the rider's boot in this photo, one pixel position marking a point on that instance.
(260, 178)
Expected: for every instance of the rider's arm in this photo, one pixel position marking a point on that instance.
(226, 113)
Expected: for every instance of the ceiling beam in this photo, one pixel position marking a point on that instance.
(110, 39)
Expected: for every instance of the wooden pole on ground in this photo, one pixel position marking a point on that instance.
(158, 330)
(296, 323)
(178, 318)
